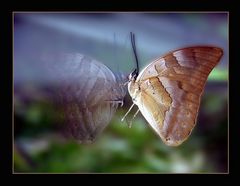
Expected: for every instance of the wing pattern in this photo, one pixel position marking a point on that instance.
(171, 89)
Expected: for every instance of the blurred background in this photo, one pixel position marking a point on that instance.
(38, 147)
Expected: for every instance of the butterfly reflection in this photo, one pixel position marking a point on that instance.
(89, 94)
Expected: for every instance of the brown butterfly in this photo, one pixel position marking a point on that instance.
(168, 91)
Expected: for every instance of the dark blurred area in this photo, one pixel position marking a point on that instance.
(38, 145)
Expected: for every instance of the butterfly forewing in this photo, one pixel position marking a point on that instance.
(171, 89)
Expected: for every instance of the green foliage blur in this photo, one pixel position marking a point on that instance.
(39, 148)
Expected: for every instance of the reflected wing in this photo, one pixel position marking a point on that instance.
(171, 89)
(86, 88)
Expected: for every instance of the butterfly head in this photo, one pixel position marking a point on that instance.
(133, 75)
(133, 86)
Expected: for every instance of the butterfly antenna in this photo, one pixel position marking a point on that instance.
(134, 51)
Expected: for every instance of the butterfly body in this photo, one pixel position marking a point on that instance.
(168, 91)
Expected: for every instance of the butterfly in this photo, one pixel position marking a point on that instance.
(89, 94)
(168, 91)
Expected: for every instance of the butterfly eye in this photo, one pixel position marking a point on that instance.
(133, 75)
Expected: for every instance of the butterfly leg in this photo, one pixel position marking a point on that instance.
(123, 84)
(116, 101)
(127, 112)
(130, 123)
